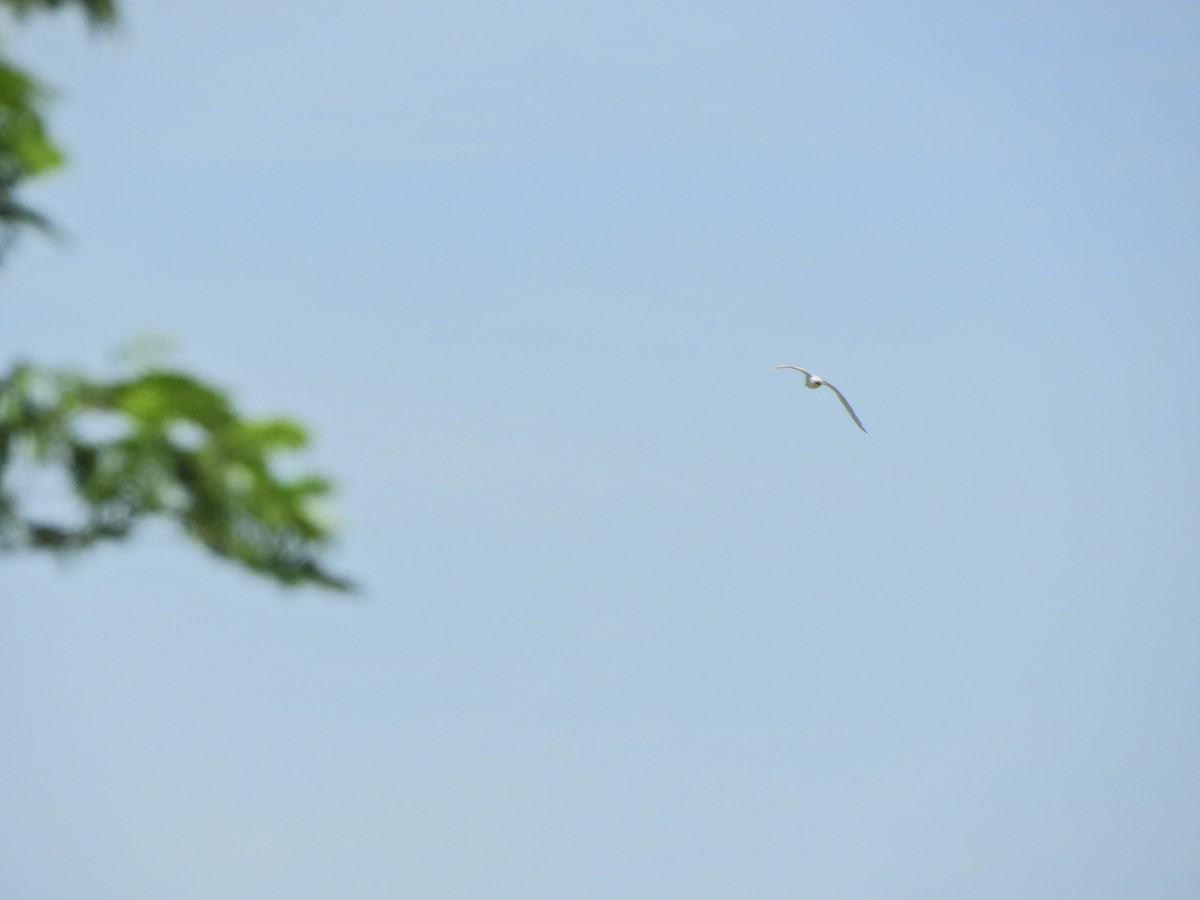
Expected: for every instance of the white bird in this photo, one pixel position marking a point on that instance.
(815, 381)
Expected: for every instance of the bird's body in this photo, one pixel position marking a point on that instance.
(813, 382)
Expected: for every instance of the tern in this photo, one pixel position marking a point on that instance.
(815, 381)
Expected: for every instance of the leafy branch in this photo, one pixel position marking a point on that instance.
(160, 443)
(26, 148)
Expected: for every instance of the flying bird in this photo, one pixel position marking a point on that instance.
(815, 381)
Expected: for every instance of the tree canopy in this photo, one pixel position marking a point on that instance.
(156, 442)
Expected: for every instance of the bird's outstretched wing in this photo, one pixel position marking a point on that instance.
(807, 373)
(845, 404)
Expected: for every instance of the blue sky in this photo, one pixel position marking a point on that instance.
(641, 619)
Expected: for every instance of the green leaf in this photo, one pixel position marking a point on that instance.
(159, 397)
(25, 146)
(221, 489)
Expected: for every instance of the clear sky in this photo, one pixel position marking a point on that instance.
(642, 619)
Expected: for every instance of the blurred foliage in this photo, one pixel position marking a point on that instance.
(99, 13)
(159, 443)
(26, 148)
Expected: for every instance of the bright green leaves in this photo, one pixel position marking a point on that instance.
(26, 148)
(158, 397)
(24, 143)
(161, 444)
